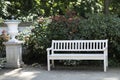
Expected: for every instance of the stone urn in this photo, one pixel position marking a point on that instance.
(12, 28)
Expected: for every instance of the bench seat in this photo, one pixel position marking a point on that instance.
(76, 56)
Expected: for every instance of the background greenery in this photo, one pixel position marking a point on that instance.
(67, 27)
(27, 10)
(70, 20)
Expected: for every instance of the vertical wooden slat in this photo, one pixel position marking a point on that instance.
(99, 45)
(81, 45)
(84, 45)
(78, 45)
(96, 45)
(87, 45)
(60, 45)
(64, 45)
(93, 45)
(90, 45)
(70, 45)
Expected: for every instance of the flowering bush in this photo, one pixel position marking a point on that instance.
(34, 42)
(44, 31)
(64, 26)
(3, 38)
(71, 26)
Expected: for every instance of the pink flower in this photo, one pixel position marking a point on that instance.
(4, 31)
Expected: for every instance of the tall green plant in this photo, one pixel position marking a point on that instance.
(36, 43)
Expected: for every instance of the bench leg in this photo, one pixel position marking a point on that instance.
(107, 61)
(48, 64)
(53, 65)
(105, 65)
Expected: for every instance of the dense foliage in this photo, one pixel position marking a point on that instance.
(103, 27)
(26, 10)
(97, 26)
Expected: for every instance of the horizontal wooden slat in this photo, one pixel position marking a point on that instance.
(77, 56)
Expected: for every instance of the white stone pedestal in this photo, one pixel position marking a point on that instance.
(13, 54)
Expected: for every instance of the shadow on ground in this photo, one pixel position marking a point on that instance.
(60, 73)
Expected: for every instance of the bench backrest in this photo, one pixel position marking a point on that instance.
(79, 45)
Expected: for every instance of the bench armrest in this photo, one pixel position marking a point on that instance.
(49, 51)
(106, 51)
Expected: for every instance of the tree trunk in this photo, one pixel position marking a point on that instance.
(106, 7)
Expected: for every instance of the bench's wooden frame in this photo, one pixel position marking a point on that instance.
(78, 46)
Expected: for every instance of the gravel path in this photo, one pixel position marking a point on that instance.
(30, 73)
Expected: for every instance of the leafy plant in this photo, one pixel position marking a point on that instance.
(97, 26)
(3, 38)
(34, 42)
(64, 26)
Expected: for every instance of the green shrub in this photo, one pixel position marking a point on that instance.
(35, 43)
(97, 26)
(64, 27)
(61, 27)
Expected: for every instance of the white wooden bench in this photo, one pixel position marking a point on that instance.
(99, 47)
